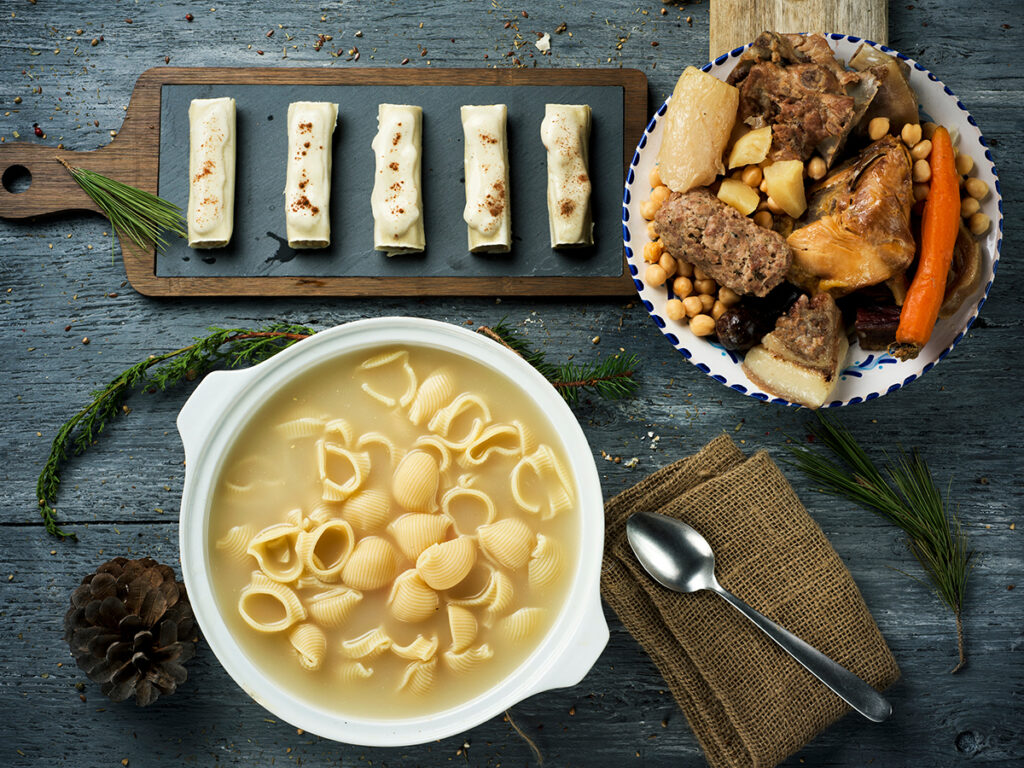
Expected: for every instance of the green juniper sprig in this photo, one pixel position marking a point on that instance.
(610, 378)
(904, 493)
(223, 347)
(140, 215)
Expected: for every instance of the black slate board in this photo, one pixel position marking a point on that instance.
(259, 245)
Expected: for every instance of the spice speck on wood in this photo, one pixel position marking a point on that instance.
(405, 61)
(189, 17)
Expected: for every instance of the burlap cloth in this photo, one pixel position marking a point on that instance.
(747, 701)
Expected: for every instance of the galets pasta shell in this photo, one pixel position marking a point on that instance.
(414, 532)
(418, 677)
(310, 643)
(326, 549)
(442, 421)
(353, 671)
(290, 607)
(301, 427)
(386, 358)
(368, 645)
(545, 562)
(275, 549)
(372, 564)
(458, 502)
(495, 597)
(371, 439)
(338, 486)
(552, 480)
(508, 542)
(461, 662)
(339, 431)
(323, 511)
(432, 395)
(463, 627)
(411, 600)
(511, 439)
(444, 565)
(415, 482)
(332, 607)
(367, 510)
(235, 542)
(421, 648)
(432, 443)
(520, 625)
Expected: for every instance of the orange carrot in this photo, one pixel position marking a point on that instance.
(939, 227)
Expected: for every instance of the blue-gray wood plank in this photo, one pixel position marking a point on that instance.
(122, 496)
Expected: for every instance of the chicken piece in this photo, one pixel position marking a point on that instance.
(856, 231)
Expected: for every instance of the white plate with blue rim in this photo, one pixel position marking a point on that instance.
(866, 375)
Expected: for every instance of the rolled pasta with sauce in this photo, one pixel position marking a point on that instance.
(565, 132)
(487, 213)
(307, 191)
(211, 172)
(397, 197)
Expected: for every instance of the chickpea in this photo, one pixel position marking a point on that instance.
(878, 127)
(737, 174)
(655, 276)
(706, 302)
(674, 309)
(911, 134)
(652, 251)
(921, 192)
(693, 306)
(668, 263)
(685, 268)
(718, 309)
(764, 219)
(922, 172)
(921, 150)
(660, 194)
(773, 206)
(763, 186)
(728, 296)
(654, 177)
(928, 129)
(964, 164)
(682, 287)
(652, 230)
(816, 168)
(968, 207)
(752, 176)
(702, 325)
(705, 286)
(700, 274)
(978, 223)
(648, 208)
(976, 188)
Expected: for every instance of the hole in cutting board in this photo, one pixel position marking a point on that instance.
(17, 179)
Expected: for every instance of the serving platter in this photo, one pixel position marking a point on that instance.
(151, 152)
(866, 375)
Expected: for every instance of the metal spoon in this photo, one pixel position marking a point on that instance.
(681, 559)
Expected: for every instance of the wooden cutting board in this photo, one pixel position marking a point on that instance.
(139, 156)
(737, 22)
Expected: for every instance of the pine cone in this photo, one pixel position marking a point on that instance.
(130, 627)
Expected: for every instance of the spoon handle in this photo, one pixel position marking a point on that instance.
(846, 685)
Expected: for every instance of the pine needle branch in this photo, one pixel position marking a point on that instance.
(223, 347)
(611, 378)
(903, 492)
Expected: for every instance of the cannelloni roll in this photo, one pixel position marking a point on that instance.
(565, 132)
(397, 197)
(307, 191)
(487, 213)
(211, 172)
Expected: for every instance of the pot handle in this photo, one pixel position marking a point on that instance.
(582, 651)
(209, 400)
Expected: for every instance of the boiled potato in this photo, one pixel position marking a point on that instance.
(751, 148)
(740, 196)
(698, 124)
(785, 183)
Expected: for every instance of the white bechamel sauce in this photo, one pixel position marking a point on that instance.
(565, 133)
(487, 211)
(397, 197)
(211, 170)
(307, 191)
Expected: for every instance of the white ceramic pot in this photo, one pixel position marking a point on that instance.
(226, 400)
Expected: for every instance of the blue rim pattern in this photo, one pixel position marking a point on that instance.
(870, 362)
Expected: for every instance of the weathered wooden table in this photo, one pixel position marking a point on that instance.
(60, 286)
